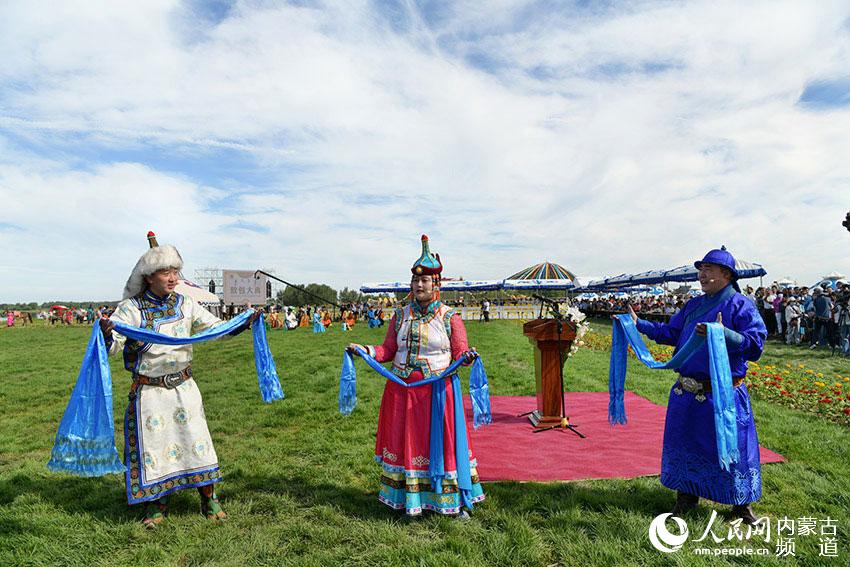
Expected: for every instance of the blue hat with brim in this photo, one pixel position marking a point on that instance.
(721, 257)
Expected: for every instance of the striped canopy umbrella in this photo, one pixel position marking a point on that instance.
(544, 271)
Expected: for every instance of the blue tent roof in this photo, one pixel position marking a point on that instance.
(559, 284)
(473, 285)
(828, 283)
(687, 273)
(447, 285)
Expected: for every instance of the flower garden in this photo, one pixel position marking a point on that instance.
(802, 388)
(791, 384)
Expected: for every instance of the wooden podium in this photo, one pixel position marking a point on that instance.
(548, 362)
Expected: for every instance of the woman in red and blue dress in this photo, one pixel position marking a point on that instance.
(422, 340)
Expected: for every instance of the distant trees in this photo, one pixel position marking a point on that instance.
(351, 296)
(297, 298)
(294, 296)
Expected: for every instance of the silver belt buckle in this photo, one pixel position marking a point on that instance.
(171, 381)
(693, 386)
(690, 385)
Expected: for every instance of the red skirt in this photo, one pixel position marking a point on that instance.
(403, 447)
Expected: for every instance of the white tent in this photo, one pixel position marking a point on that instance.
(196, 292)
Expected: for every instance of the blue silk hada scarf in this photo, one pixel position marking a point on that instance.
(85, 442)
(479, 392)
(625, 334)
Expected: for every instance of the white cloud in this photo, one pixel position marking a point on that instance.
(610, 141)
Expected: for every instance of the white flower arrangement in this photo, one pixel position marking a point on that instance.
(582, 326)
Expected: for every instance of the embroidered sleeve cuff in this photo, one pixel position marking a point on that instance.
(643, 326)
(732, 337)
(370, 350)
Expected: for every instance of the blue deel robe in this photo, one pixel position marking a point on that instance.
(689, 460)
(373, 319)
(318, 326)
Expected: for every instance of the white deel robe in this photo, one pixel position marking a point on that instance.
(167, 444)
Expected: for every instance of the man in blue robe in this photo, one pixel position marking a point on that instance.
(689, 462)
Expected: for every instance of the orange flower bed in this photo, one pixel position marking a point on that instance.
(801, 388)
(791, 385)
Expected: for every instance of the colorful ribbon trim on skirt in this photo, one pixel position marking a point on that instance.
(85, 442)
(479, 392)
(625, 334)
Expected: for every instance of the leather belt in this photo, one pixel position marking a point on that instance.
(698, 387)
(169, 381)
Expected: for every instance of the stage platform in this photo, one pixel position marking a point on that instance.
(509, 450)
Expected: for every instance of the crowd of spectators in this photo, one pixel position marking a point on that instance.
(291, 317)
(655, 307)
(800, 316)
(817, 317)
(74, 315)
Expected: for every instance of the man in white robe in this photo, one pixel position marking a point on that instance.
(167, 445)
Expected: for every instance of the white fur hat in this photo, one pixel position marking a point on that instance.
(157, 258)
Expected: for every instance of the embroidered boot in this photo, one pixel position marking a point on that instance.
(463, 516)
(746, 513)
(210, 506)
(684, 503)
(155, 513)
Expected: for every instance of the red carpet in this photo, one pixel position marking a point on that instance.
(508, 450)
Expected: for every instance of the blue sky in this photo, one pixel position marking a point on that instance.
(320, 139)
(825, 94)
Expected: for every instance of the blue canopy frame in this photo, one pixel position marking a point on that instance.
(449, 285)
(686, 273)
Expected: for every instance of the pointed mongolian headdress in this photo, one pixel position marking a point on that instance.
(428, 264)
(157, 258)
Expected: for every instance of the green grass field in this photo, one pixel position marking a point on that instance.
(300, 482)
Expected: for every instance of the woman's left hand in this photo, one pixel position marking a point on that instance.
(470, 355)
